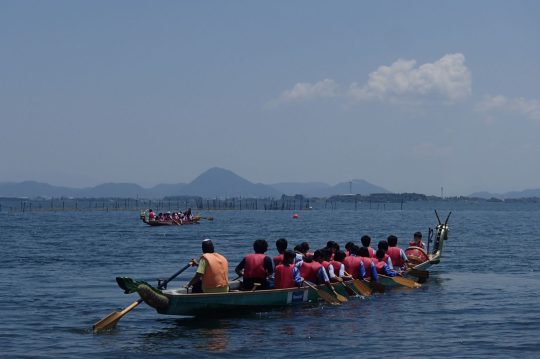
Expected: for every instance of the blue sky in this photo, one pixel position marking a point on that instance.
(412, 96)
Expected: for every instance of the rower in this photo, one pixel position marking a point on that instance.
(336, 268)
(382, 266)
(151, 215)
(256, 267)
(333, 247)
(370, 271)
(399, 259)
(366, 241)
(417, 241)
(353, 263)
(384, 246)
(212, 271)
(312, 270)
(281, 246)
(287, 274)
(348, 247)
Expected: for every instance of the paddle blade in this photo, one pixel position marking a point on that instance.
(362, 287)
(340, 297)
(108, 322)
(406, 282)
(327, 297)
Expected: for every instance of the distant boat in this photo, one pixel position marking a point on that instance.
(168, 222)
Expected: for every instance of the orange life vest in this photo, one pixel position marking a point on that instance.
(216, 273)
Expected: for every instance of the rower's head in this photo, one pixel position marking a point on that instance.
(260, 246)
(281, 245)
(207, 246)
(288, 257)
(380, 254)
(318, 255)
(339, 256)
(354, 250)
(304, 247)
(392, 240)
(383, 245)
(349, 245)
(366, 240)
(326, 253)
(333, 246)
(417, 236)
(363, 252)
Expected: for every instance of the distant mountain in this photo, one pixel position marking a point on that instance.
(123, 190)
(164, 190)
(219, 182)
(508, 195)
(34, 189)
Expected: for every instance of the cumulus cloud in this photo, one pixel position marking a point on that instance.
(525, 107)
(305, 90)
(447, 78)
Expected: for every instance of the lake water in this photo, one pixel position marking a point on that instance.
(58, 269)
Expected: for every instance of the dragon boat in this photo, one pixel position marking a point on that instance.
(182, 302)
(169, 222)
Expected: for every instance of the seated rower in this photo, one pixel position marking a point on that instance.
(417, 241)
(256, 267)
(399, 259)
(336, 268)
(353, 263)
(287, 275)
(348, 247)
(151, 215)
(370, 271)
(333, 247)
(281, 246)
(384, 246)
(212, 271)
(312, 270)
(382, 266)
(366, 241)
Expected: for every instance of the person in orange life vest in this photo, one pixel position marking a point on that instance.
(382, 266)
(151, 215)
(417, 241)
(312, 270)
(281, 246)
(287, 275)
(212, 274)
(368, 269)
(366, 241)
(333, 247)
(399, 259)
(256, 267)
(348, 247)
(384, 246)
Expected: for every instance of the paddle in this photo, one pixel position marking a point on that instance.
(360, 286)
(403, 281)
(110, 321)
(348, 289)
(327, 297)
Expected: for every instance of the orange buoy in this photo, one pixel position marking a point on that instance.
(295, 216)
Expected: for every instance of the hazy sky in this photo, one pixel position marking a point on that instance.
(408, 95)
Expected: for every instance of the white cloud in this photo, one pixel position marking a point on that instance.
(526, 107)
(305, 90)
(447, 77)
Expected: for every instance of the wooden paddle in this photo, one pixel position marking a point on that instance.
(403, 281)
(349, 290)
(110, 321)
(362, 287)
(329, 298)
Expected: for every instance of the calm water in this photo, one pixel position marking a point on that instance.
(58, 270)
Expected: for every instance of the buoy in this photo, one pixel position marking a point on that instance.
(295, 216)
